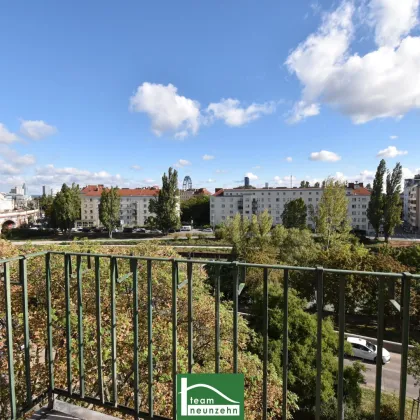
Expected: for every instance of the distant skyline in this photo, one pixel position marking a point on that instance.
(103, 93)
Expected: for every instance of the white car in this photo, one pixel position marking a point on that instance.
(186, 228)
(364, 349)
(208, 230)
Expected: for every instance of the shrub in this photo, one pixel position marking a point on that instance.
(189, 236)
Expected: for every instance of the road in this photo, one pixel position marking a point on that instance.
(390, 376)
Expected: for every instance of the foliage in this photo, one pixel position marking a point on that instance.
(109, 209)
(203, 327)
(392, 202)
(414, 362)
(196, 208)
(236, 231)
(330, 217)
(166, 205)
(409, 256)
(294, 214)
(375, 211)
(302, 349)
(66, 207)
(304, 184)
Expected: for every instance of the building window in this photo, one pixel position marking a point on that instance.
(294, 193)
(90, 199)
(223, 206)
(91, 211)
(277, 199)
(212, 206)
(309, 199)
(231, 206)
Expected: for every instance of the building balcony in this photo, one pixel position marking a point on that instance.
(90, 337)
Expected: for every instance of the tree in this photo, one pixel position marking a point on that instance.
(392, 201)
(316, 185)
(375, 211)
(196, 208)
(331, 219)
(294, 214)
(304, 184)
(109, 208)
(414, 363)
(166, 205)
(66, 207)
(369, 186)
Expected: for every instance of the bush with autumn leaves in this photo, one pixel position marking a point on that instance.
(203, 327)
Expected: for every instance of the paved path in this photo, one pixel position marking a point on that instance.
(390, 376)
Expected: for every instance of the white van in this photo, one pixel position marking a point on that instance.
(186, 228)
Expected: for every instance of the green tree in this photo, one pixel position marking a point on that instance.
(294, 214)
(166, 205)
(392, 201)
(196, 208)
(66, 207)
(109, 208)
(260, 230)
(304, 184)
(331, 219)
(236, 231)
(414, 363)
(316, 185)
(375, 211)
(302, 350)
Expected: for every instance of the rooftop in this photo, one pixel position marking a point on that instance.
(96, 191)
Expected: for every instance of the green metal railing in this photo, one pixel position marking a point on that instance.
(239, 271)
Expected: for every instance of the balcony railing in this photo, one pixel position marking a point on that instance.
(16, 280)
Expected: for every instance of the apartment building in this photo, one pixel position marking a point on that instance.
(134, 209)
(414, 207)
(187, 194)
(227, 203)
(408, 184)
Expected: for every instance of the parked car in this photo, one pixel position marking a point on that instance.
(186, 228)
(139, 230)
(364, 349)
(208, 230)
(155, 231)
(128, 230)
(171, 230)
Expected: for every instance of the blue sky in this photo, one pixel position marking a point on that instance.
(100, 92)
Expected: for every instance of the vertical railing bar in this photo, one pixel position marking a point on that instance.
(217, 324)
(320, 307)
(136, 337)
(190, 317)
(174, 336)
(113, 275)
(265, 342)
(67, 276)
(23, 274)
(99, 328)
(236, 274)
(342, 325)
(150, 336)
(379, 344)
(406, 280)
(9, 334)
(80, 325)
(49, 328)
(89, 263)
(285, 339)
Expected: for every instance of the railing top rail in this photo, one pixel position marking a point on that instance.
(216, 262)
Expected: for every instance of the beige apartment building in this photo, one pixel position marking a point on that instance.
(414, 207)
(134, 209)
(227, 203)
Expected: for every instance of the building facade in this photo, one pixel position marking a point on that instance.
(227, 203)
(408, 184)
(414, 207)
(187, 194)
(134, 209)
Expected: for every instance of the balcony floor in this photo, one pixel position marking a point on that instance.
(45, 414)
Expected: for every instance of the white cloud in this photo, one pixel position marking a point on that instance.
(256, 167)
(230, 111)
(289, 159)
(393, 20)
(36, 130)
(285, 181)
(221, 171)
(149, 181)
(302, 110)
(168, 111)
(391, 152)
(136, 167)
(8, 169)
(325, 156)
(211, 181)
(208, 157)
(6, 137)
(383, 83)
(251, 176)
(393, 137)
(181, 163)
(55, 177)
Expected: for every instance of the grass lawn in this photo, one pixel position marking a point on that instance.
(368, 401)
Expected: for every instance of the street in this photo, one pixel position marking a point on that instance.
(390, 376)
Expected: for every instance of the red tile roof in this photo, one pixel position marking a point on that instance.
(96, 191)
(359, 191)
(220, 192)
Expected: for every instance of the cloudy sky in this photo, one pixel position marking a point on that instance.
(115, 93)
